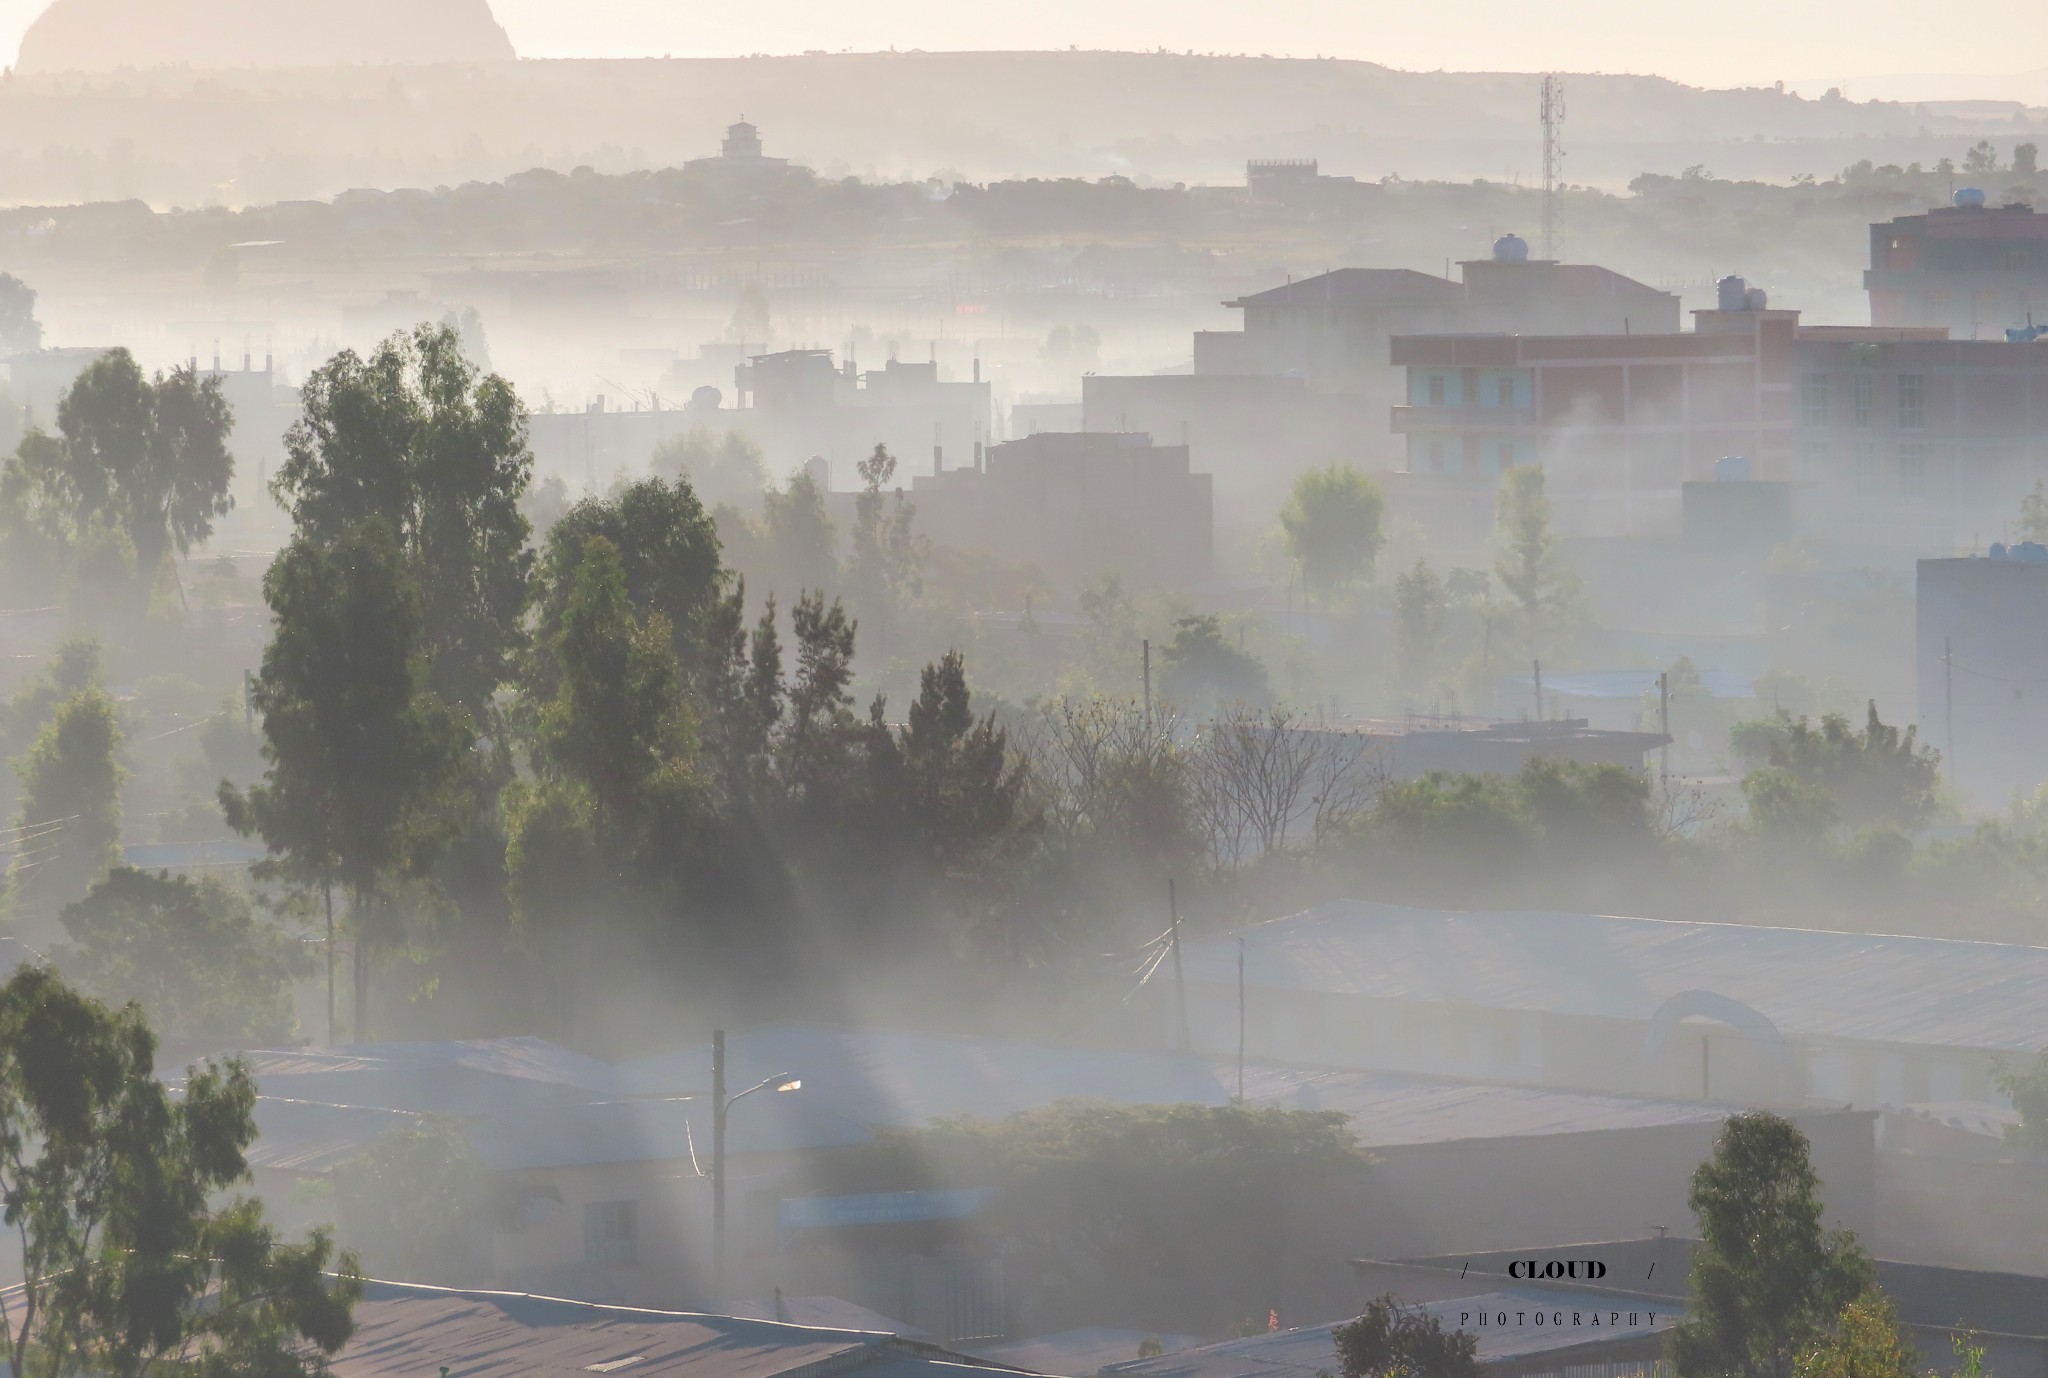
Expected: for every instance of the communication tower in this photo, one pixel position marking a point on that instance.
(1551, 109)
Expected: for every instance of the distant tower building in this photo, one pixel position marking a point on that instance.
(742, 140)
(740, 156)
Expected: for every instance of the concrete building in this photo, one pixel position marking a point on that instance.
(1307, 379)
(1981, 657)
(1518, 1332)
(1893, 436)
(1971, 269)
(1937, 1305)
(1077, 504)
(1642, 1006)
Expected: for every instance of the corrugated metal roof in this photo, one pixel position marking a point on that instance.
(1859, 986)
(1312, 1350)
(404, 1331)
(1080, 1353)
(316, 1111)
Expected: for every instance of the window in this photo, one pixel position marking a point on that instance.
(1813, 399)
(1436, 456)
(611, 1232)
(1504, 456)
(1912, 468)
(1813, 459)
(1504, 392)
(1866, 466)
(1863, 399)
(1912, 401)
(1436, 389)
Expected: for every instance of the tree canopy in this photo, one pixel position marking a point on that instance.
(134, 1256)
(1393, 1341)
(1767, 1277)
(1332, 524)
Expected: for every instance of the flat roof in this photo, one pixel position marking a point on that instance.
(1859, 986)
(1539, 1321)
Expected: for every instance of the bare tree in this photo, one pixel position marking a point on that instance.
(1263, 775)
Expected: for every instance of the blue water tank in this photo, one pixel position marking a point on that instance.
(1734, 293)
(1511, 248)
(1970, 198)
(1732, 469)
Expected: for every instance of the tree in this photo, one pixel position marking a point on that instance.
(1332, 522)
(20, 331)
(1980, 158)
(1878, 775)
(360, 752)
(2026, 1086)
(964, 788)
(798, 538)
(724, 468)
(417, 1204)
(616, 720)
(1421, 602)
(2025, 159)
(1527, 560)
(1394, 1341)
(1171, 1214)
(886, 565)
(191, 953)
(131, 1256)
(665, 548)
(2034, 515)
(1866, 1341)
(1767, 1279)
(415, 437)
(1201, 671)
(70, 816)
(820, 708)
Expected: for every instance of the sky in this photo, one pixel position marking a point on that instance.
(1702, 42)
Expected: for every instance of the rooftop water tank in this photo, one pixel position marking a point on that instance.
(1970, 198)
(1733, 469)
(1734, 293)
(1511, 248)
(1755, 300)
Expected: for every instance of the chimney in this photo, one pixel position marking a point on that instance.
(977, 368)
(938, 451)
(980, 465)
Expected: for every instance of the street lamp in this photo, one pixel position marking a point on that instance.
(721, 1104)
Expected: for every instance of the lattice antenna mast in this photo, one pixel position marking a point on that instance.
(1551, 109)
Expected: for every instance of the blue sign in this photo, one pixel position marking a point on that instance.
(881, 1208)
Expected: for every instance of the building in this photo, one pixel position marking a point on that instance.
(1971, 269)
(1937, 1305)
(1520, 1332)
(1306, 381)
(1894, 436)
(1981, 658)
(1642, 1006)
(1411, 748)
(740, 159)
(1077, 504)
(609, 1160)
(403, 1330)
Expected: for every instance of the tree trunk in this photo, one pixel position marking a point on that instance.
(360, 1029)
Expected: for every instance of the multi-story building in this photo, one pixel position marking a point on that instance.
(1307, 379)
(1981, 655)
(1078, 504)
(1897, 436)
(1977, 270)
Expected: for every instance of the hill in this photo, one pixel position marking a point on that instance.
(107, 35)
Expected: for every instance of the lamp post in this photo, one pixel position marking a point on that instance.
(721, 1105)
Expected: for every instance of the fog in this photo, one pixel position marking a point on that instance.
(1070, 703)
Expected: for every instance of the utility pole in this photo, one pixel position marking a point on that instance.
(1180, 982)
(1550, 108)
(718, 1108)
(1948, 690)
(1539, 689)
(1664, 728)
(1148, 691)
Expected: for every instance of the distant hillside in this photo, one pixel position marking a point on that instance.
(189, 136)
(106, 35)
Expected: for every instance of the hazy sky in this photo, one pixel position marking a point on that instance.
(1709, 42)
